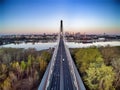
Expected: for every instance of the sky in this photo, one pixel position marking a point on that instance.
(43, 16)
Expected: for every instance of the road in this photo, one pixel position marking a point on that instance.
(61, 77)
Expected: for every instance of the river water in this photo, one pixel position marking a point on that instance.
(98, 44)
(37, 46)
(47, 45)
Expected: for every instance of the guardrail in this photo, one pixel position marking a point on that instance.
(78, 83)
(46, 78)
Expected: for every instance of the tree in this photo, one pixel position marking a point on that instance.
(29, 60)
(23, 65)
(42, 64)
(3, 68)
(22, 69)
(46, 56)
(7, 58)
(109, 53)
(6, 84)
(95, 73)
(116, 66)
(86, 56)
(100, 77)
(3, 71)
(17, 69)
(13, 78)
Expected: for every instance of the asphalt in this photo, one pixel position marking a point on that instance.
(61, 77)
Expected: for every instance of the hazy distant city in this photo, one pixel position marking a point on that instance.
(70, 37)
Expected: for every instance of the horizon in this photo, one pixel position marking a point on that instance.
(51, 33)
(43, 16)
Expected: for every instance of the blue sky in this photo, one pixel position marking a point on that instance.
(38, 16)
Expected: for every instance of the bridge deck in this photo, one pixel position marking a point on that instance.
(61, 70)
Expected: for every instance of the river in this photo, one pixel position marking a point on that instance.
(47, 45)
(37, 46)
(98, 44)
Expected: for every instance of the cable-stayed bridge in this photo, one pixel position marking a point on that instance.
(61, 73)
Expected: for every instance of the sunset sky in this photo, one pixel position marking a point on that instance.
(43, 16)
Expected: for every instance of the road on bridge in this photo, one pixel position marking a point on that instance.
(61, 78)
(61, 73)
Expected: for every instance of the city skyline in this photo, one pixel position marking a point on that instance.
(39, 16)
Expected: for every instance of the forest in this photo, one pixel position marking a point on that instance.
(99, 67)
(22, 69)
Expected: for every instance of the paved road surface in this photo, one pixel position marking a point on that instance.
(61, 71)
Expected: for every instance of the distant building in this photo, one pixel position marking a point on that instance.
(101, 39)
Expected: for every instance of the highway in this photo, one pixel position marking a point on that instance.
(61, 76)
